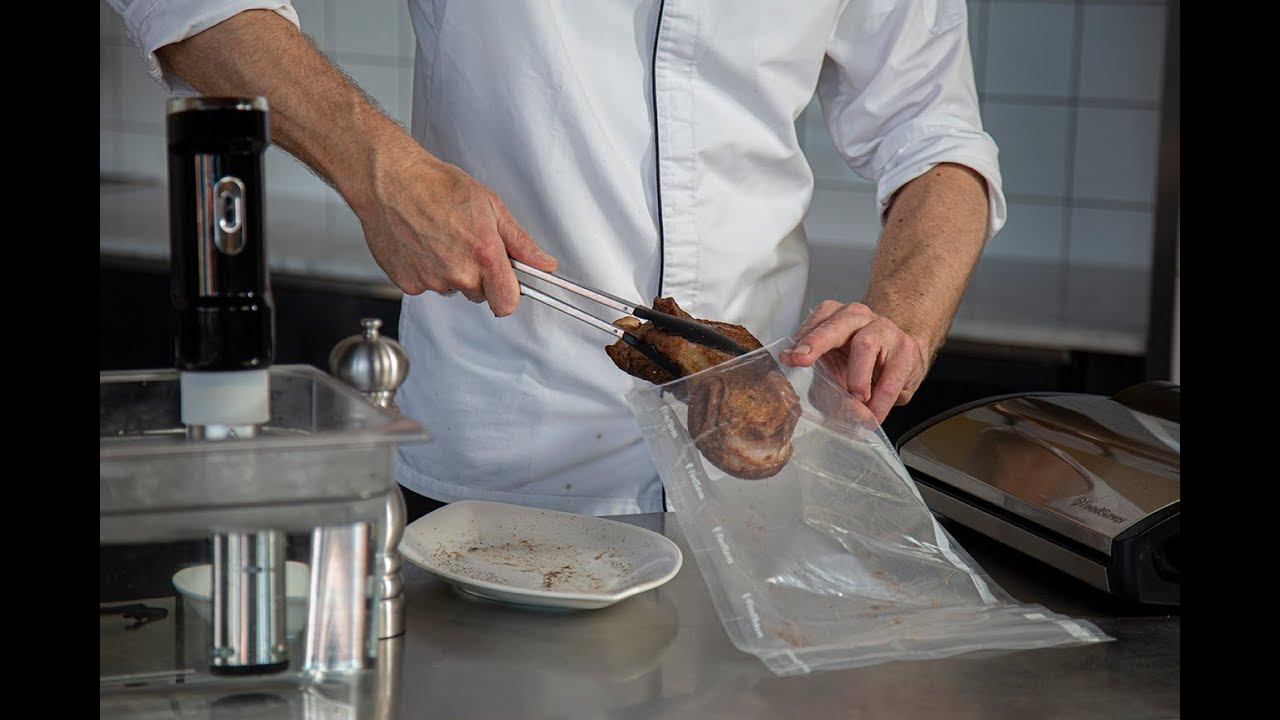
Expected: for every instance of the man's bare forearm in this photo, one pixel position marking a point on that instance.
(317, 114)
(933, 235)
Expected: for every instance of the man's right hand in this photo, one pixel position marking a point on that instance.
(432, 227)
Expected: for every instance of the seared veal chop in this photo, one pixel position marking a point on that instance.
(741, 419)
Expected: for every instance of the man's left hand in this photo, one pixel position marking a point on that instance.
(874, 360)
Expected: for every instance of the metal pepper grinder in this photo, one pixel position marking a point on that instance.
(376, 366)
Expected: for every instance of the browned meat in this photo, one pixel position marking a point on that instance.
(741, 419)
(688, 355)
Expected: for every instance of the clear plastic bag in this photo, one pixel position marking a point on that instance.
(833, 561)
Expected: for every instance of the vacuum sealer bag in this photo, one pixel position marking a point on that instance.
(832, 560)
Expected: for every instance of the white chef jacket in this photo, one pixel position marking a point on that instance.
(554, 106)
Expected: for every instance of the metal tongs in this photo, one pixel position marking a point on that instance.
(688, 329)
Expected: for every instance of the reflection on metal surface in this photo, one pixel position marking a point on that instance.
(665, 654)
(1023, 465)
(614, 644)
(1083, 466)
(217, 432)
(387, 686)
(1107, 424)
(372, 363)
(249, 602)
(207, 169)
(1051, 553)
(370, 694)
(346, 696)
(376, 366)
(391, 607)
(183, 103)
(467, 658)
(338, 623)
(229, 233)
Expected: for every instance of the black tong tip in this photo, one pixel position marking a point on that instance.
(691, 330)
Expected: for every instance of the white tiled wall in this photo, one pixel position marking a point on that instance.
(1029, 48)
(1070, 91)
(1122, 52)
(1115, 154)
(371, 41)
(1033, 141)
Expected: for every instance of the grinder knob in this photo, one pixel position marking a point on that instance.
(371, 363)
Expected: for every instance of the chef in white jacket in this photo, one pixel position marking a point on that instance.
(644, 147)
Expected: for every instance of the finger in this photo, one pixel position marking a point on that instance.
(832, 366)
(894, 373)
(820, 312)
(460, 276)
(829, 397)
(831, 333)
(519, 244)
(498, 280)
(865, 352)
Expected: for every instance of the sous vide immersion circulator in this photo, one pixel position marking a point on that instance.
(221, 307)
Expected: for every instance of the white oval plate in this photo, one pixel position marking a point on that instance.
(539, 557)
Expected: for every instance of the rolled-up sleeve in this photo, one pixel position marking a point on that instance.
(898, 95)
(152, 24)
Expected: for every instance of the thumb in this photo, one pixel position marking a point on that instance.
(520, 245)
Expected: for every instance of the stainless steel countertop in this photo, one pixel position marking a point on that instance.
(664, 654)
